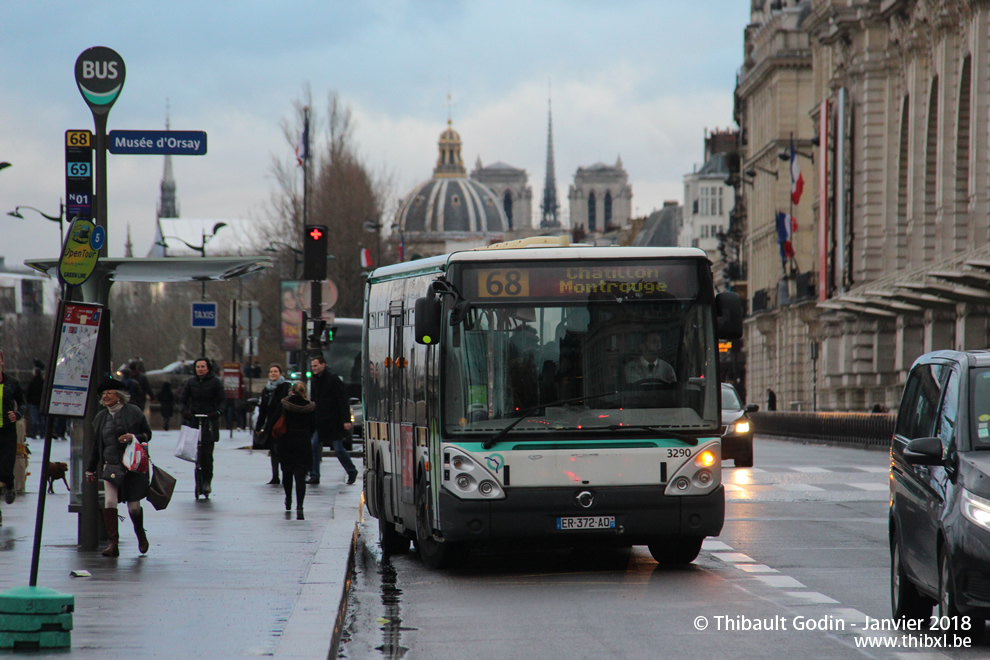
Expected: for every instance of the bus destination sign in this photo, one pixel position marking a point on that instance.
(644, 280)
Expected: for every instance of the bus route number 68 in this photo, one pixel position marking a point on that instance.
(511, 283)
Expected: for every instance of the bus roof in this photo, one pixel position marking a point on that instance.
(440, 263)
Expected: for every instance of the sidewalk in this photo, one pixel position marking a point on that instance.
(232, 576)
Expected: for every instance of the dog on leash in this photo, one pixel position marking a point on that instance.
(55, 472)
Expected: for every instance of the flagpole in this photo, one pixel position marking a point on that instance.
(305, 166)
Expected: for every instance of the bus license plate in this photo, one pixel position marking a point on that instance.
(586, 522)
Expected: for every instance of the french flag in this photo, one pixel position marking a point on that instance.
(797, 181)
(366, 258)
(786, 226)
(302, 149)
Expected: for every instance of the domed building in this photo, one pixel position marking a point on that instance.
(450, 211)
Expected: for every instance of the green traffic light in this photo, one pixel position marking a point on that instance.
(309, 374)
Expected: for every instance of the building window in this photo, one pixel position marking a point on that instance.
(608, 208)
(591, 211)
(507, 205)
(720, 191)
(705, 201)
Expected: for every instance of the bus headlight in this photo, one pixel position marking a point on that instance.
(699, 475)
(467, 478)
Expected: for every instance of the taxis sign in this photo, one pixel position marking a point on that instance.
(80, 253)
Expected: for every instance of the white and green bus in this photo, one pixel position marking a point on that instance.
(507, 398)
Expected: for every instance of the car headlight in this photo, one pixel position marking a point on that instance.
(742, 427)
(976, 509)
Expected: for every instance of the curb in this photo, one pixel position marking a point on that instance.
(317, 620)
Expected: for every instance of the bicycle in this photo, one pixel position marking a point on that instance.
(198, 473)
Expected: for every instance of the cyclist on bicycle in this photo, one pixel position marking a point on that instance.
(203, 394)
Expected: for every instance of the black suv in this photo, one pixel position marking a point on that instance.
(940, 491)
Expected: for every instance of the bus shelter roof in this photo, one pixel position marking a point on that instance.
(166, 269)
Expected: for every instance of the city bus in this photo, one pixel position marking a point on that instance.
(498, 405)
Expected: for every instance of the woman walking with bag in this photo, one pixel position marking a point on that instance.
(269, 409)
(119, 424)
(295, 452)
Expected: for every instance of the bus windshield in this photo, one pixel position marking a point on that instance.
(639, 348)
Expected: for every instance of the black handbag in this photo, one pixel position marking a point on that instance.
(114, 473)
(160, 489)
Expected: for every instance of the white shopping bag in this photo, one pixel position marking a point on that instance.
(188, 444)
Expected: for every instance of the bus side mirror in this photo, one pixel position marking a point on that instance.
(728, 306)
(428, 327)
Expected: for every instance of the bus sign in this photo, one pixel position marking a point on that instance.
(581, 281)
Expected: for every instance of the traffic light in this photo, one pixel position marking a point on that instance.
(331, 329)
(315, 253)
(317, 332)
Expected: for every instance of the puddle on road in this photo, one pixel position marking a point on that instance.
(392, 621)
(374, 607)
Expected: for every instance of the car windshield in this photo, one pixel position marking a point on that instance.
(980, 408)
(730, 399)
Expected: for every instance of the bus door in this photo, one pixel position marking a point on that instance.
(400, 429)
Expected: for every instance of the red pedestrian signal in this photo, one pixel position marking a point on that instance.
(315, 253)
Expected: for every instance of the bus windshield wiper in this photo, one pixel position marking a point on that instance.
(683, 437)
(490, 442)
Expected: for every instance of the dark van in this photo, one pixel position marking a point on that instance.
(939, 524)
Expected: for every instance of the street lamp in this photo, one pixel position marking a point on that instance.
(296, 255)
(373, 226)
(786, 155)
(16, 213)
(751, 172)
(402, 240)
(201, 248)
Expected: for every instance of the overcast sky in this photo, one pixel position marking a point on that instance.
(638, 79)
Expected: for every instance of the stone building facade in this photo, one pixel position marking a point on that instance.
(890, 100)
(708, 199)
(600, 199)
(511, 185)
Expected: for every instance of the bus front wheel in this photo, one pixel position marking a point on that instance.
(676, 551)
(435, 554)
(391, 541)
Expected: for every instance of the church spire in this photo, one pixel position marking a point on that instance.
(550, 205)
(128, 246)
(168, 207)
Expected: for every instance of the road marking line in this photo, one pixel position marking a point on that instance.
(710, 545)
(756, 568)
(810, 470)
(811, 597)
(780, 581)
(798, 487)
(883, 486)
(733, 557)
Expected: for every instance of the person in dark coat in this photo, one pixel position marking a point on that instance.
(269, 409)
(11, 410)
(114, 427)
(203, 394)
(35, 392)
(771, 399)
(142, 388)
(294, 451)
(333, 419)
(166, 404)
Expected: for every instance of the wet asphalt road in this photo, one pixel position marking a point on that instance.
(804, 539)
(223, 577)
